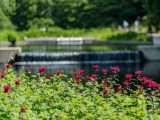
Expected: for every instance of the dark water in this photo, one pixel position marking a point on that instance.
(75, 48)
(72, 58)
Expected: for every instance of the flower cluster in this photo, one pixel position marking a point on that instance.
(41, 69)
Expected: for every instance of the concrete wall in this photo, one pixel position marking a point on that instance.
(151, 53)
(156, 39)
(8, 53)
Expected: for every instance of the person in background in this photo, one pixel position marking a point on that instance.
(136, 26)
(126, 25)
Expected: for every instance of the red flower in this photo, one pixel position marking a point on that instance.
(106, 91)
(138, 73)
(58, 72)
(47, 77)
(104, 84)
(81, 71)
(104, 71)
(6, 88)
(126, 83)
(114, 69)
(119, 88)
(17, 82)
(128, 76)
(23, 110)
(153, 84)
(148, 82)
(139, 87)
(88, 78)
(8, 65)
(78, 81)
(75, 74)
(78, 77)
(95, 67)
(3, 74)
(41, 69)
(94, 76)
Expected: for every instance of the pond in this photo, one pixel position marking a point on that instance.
(72, 58)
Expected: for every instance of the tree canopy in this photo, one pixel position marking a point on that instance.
(25, 14)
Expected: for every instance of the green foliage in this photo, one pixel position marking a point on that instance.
(25, 14)
(11, 37)
(93, 13)
(131, 36)
(152, 7)
(28, 11)
(7, 8)
(97, 33)
(5, 22)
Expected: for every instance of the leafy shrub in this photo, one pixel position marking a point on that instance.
(11, 38)
(77, 96)
(131, 36)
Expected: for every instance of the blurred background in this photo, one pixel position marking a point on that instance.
(75, 34)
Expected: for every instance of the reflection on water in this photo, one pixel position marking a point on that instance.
(70, 67)
(72, 63)
(53, 48)
(152, 70)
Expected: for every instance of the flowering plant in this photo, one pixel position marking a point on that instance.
(78, 96)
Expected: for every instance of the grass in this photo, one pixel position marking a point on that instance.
(98, 33)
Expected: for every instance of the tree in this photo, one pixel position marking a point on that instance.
(95, 13)
(28, 11)
(153, 13)
(7, 8)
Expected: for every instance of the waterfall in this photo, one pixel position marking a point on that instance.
(71, 61)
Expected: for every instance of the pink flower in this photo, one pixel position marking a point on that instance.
(128, 76)
(106, 91)
(119, 88)
(148, 82)
(81, 71)
(114, 69)
(8, 65)
(17, 82)
(104, 84)
(95, 67)
(47, 77)
(88, 78)
(126, 83)
(6, 88)
(58, 72)
(138, 73)
(94, 76)
(153, 84)
(139, 87)
(78, 77)
(41, 69)
(23, 110)
(75, 74)
(104, 71)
